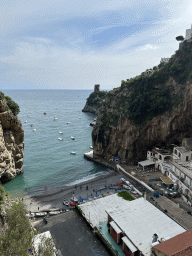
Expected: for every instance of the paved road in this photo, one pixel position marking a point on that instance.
(73, 236)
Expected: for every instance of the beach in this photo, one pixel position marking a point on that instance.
(47, 200)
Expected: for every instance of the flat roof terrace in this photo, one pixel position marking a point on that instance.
(140, 220)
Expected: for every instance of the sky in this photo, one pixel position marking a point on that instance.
(75, 44)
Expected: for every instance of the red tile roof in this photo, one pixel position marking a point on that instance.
(180, 245)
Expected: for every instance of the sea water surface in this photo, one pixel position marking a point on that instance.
(47, 160)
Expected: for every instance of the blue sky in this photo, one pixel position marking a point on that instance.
(57, 44)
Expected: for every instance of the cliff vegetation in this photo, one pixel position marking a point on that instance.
(94, 102)
(15, 229)
(133, 114)
(11, 139)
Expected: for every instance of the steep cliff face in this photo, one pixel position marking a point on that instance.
(145, 113)
(94, 102)
(11, 144)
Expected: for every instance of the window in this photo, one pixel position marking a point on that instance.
(160, 157)
(187, 158)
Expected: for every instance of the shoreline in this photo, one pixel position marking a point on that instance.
(55, 200)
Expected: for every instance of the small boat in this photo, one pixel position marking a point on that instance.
(79, 117)
(73, 153)
(34, 130)
(54, 213)
(30, 215)
(40, 214)
(60, 138)
(72, 137)
(45, 113)
(55, 118)
(68, 122)
(28, 114)
(61, 132)
(66, 203)
(91, 146)
(31, 125)
(25, 122)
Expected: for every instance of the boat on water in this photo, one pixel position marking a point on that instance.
(45, 113)
(91, 146)
(31, 125)
(25, 122)
(34, 130)
(40, 214)
(68, 122)
(61, 132)
(55, 118)
(73, 153)
(72, 137)
(60, 138)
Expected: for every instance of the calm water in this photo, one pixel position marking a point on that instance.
(47, 160)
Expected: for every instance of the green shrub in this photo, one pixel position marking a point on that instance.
(13, 106)
(18, 236)
(126, 196)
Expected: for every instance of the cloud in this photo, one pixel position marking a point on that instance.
(72, 44)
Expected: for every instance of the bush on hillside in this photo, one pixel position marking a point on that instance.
(13, 106)
(17, 238)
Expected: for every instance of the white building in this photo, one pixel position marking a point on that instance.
(136, 223)
(159, 156)
(188, 33)
(164, 60)
(179, 170)
(182, 154)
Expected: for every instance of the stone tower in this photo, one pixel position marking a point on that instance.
(97, 88)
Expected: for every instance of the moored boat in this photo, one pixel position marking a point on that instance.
(40, 214)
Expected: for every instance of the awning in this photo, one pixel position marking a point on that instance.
(129, 244)
(146, 163)
(115, 227)
(166, 180)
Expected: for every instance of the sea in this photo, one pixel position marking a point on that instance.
(48, 162)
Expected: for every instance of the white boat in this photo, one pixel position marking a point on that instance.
(61, 132)
(91, 147)
(55, 118)
(40, 214)
(54, 213)
(68, 122)
(34, 130)
(66, 203)
(28, 114)
(25, 122)
(60, 138)
(72, 137)
(73, 153)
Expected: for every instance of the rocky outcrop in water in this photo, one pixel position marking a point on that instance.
(150, 110)
(11, 144)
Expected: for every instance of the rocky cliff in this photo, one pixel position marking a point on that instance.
(94, 102)
(149, 110)
(11, 143)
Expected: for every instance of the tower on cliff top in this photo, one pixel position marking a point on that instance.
(97, 88)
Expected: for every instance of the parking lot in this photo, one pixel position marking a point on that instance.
(72, 235)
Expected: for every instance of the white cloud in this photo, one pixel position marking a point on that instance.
(64, 58)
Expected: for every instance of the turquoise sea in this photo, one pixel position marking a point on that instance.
(47, 160)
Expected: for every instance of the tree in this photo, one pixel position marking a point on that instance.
(180, 38)
(18, 236)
